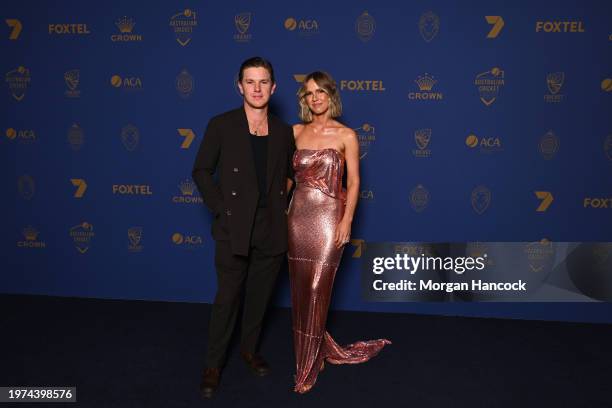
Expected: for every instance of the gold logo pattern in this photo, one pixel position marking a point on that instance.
(16, 28)
(426, 84)
(188, 135)
(183, 24)
(547, 199)
(481, 199)
(242, 22)
(489, 84)
(365, 26)
(554, 81)
(419, 198)
(429, 25)
(422, 138)
(497, 22)
(18, 81)
(549, 145)
(366, 134)
(81, 186)
(82, 235)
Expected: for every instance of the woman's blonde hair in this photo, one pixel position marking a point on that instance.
(325, 81)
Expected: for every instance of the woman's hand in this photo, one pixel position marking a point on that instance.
(343, 233)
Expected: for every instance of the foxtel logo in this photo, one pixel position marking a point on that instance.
(590, 202)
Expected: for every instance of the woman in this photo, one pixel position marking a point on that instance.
(320, 216)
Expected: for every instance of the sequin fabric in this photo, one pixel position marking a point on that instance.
(316, 208)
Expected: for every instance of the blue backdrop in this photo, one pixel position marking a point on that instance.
(478, 121)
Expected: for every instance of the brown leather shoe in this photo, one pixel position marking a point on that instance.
(256, 363)
(210, 382)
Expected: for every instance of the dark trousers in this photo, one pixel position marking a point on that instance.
(256, 274)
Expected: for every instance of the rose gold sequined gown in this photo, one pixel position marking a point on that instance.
(316, 208)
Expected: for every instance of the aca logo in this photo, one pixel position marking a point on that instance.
(184, 84)
(422, 138)
(189, 193)
(546, 198)
(429, 25)
(299, 78)
(481, 199)
(607, 147)
(559, 27)
(26, 187)
(82, 235)
(130, 136)
(25, 136)
(484, 144)
(497, 22)
(489, 84)
(30, 240)
(183, 24)
(360, 246)
(81, 187)
(125, 26)
(242, 22)
(425, 83)
(362, 85)
(75, 137)
(419, 198)
(15, 26)
(188, 241)
(72, 78)
(549, 145)
(554, 82)
(606, 85)
(365, 26)
(366, 195)
(132, 189)
(130, 83)
(135, 239)
(366, 134)
(597, 202)
(188, 135)
(69, 29)
(306, 28)
(18, 81)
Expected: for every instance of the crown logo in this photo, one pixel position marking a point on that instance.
(187, 187)
(425, 82)
(30, 233)
(125, 25)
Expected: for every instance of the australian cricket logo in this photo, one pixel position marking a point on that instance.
(422, 138)
(18, 81)
(242, 22)
(489, 84)
(72, 78)
(183, 24)
(135, 237)
(366, 135)
(554, 81)
(81, 235)
(429, 25)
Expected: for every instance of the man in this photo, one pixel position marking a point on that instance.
(251, 152)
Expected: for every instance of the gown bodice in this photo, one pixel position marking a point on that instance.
(321, 169)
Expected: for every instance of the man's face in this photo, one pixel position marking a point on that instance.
(256, 86)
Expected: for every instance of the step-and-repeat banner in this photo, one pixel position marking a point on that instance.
(478, 122)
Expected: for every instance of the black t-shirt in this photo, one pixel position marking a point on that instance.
(259, 146)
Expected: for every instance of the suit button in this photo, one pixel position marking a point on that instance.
(234, 193)
(282, 192)
(228, 212)
(235, 169)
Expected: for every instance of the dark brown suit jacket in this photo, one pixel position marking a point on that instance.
(232, 196)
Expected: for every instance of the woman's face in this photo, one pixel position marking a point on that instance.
(316, 98)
